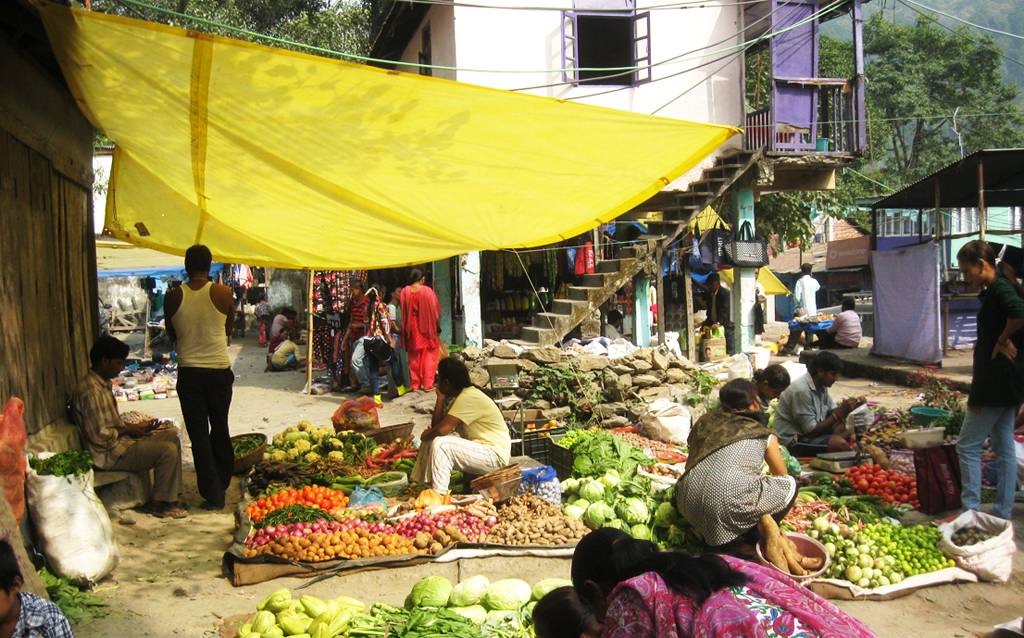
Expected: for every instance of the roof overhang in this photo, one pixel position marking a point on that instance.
(999, 172)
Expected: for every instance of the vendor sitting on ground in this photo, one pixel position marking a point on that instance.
(723, 493)
(286, 355)
(808, 421)
(845, 331)
(116, 445)
(613, 325)
(23, 614)
(483, 444)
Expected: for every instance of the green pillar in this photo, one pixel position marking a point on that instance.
(443, 289)
(744, 294)
(641, 311)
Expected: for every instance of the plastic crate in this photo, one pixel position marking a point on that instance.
(536, 443)
(559, 458)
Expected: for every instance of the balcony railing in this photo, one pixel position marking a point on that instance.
(834, 127)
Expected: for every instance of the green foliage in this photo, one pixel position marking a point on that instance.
(919, 75)
(337, 26)
(66, 463)
(80, 607)
(565, 385)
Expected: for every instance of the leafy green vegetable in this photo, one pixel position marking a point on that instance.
(432, 591)
(594, 453)
(245, 445)
(66, 463)
(510, 594)
(294, 514)
(469, 592)
(80, 607)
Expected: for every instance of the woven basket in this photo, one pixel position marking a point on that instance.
(499, 486)
(245, 463)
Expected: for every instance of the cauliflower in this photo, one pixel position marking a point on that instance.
(293, 454)
(290, 429)
(279, 455)
(335, 455)
(312, 457)
(336, 444)
(306, 426)
(278, 439)
(302, 446)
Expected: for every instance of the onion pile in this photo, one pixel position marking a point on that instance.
(472, 527)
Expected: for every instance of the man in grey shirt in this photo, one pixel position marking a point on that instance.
(807, 420)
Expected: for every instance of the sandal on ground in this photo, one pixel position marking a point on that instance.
(167, 510)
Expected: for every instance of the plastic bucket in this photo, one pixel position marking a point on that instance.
(924, 416)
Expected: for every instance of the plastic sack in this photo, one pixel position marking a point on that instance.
(666, 421)
(366, 497)
(12, 455)
(861, 418)
(990, 560)
(542, 482)
(356, 414)
(740, 367)
(937, 470)
(72, 525)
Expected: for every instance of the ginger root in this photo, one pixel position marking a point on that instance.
(781, 552)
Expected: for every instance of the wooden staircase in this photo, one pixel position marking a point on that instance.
(566, 313)
(673, 211)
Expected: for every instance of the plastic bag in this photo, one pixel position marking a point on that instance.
(366, 497)
(937, 470)
(740, 367)
(542, 482)
(356, 414)
(72, 525)
(666, 421)
(12, 455)
(990, 560)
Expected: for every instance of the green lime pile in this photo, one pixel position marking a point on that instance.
(883, 553)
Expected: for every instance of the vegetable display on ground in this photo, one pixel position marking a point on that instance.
(882, 553)
(891, 487)
(244, 445)
(312, 496)
(529, 520)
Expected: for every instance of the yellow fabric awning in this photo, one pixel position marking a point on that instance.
(277, 158)
(708, 218)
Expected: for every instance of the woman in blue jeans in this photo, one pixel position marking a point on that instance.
(997, 384)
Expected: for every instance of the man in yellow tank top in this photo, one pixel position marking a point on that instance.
(199, 316)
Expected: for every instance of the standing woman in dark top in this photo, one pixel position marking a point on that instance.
(997, 384)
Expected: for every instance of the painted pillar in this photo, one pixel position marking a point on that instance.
(469, 281)
(744, 295)
(641, 311)
(442, 283)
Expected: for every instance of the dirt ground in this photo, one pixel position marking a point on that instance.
(169, 582)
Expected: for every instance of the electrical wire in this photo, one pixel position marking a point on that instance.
(692, 4)
(953, 31)
(699, 82)
(439, 67)
(967, 22)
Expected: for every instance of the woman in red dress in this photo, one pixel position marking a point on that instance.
(420, 314)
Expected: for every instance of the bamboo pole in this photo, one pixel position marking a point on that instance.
(660, 287)
(691, 339)
(309, 335)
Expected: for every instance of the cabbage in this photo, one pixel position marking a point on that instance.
(581, 503)
(666, 515)
(574, 512)
(617, 524)
(592, 491)
(598, 514)
(504, 617)
(469, 592)
(570, 486)
(507, 595)
(475, 613)
(548, 585)
(641, 532)
(610, 479)
(634, 511)
(432, 591)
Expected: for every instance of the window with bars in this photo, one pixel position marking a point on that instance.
(607, 39)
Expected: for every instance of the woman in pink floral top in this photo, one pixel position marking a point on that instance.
(636, 591)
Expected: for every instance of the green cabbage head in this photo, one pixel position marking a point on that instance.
(475, 613)
(548, 585)
(432, 591)
(507, 595)
(469, 592)
(634, 511)
(598, 514)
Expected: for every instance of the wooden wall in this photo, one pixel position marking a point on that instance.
(47, 266)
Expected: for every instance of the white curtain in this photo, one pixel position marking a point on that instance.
(906, 300)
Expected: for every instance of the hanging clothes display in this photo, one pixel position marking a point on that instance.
(332, 290)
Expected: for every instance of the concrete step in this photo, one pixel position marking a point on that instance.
(583, 293)
(609, 265)
(549, 319)
(567, 306)
(596, 280)
(540, 336)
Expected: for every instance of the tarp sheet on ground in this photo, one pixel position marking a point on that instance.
(277, 158)
(906, 289)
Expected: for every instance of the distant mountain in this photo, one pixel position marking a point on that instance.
(1005, 15)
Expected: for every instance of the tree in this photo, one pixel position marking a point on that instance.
(331, 25)
(917, 77)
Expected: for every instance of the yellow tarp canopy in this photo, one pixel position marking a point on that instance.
(277, 158)
(708, 218)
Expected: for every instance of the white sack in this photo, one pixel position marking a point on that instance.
(991, 559)
(666, 421)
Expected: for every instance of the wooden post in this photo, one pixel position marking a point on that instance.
(309, 335)
(660, 287)
(146, 352)
(943, 303)
(920, 226)
(982, 211)
(691, 343)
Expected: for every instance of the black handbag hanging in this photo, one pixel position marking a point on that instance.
(744, 250)
(712, 248)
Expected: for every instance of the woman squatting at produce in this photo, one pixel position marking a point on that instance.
(722, 493)
(626, 588)
(467, 431)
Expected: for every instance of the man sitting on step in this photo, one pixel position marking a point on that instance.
(126, 447)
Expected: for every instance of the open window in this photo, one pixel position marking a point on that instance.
(606, 40)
